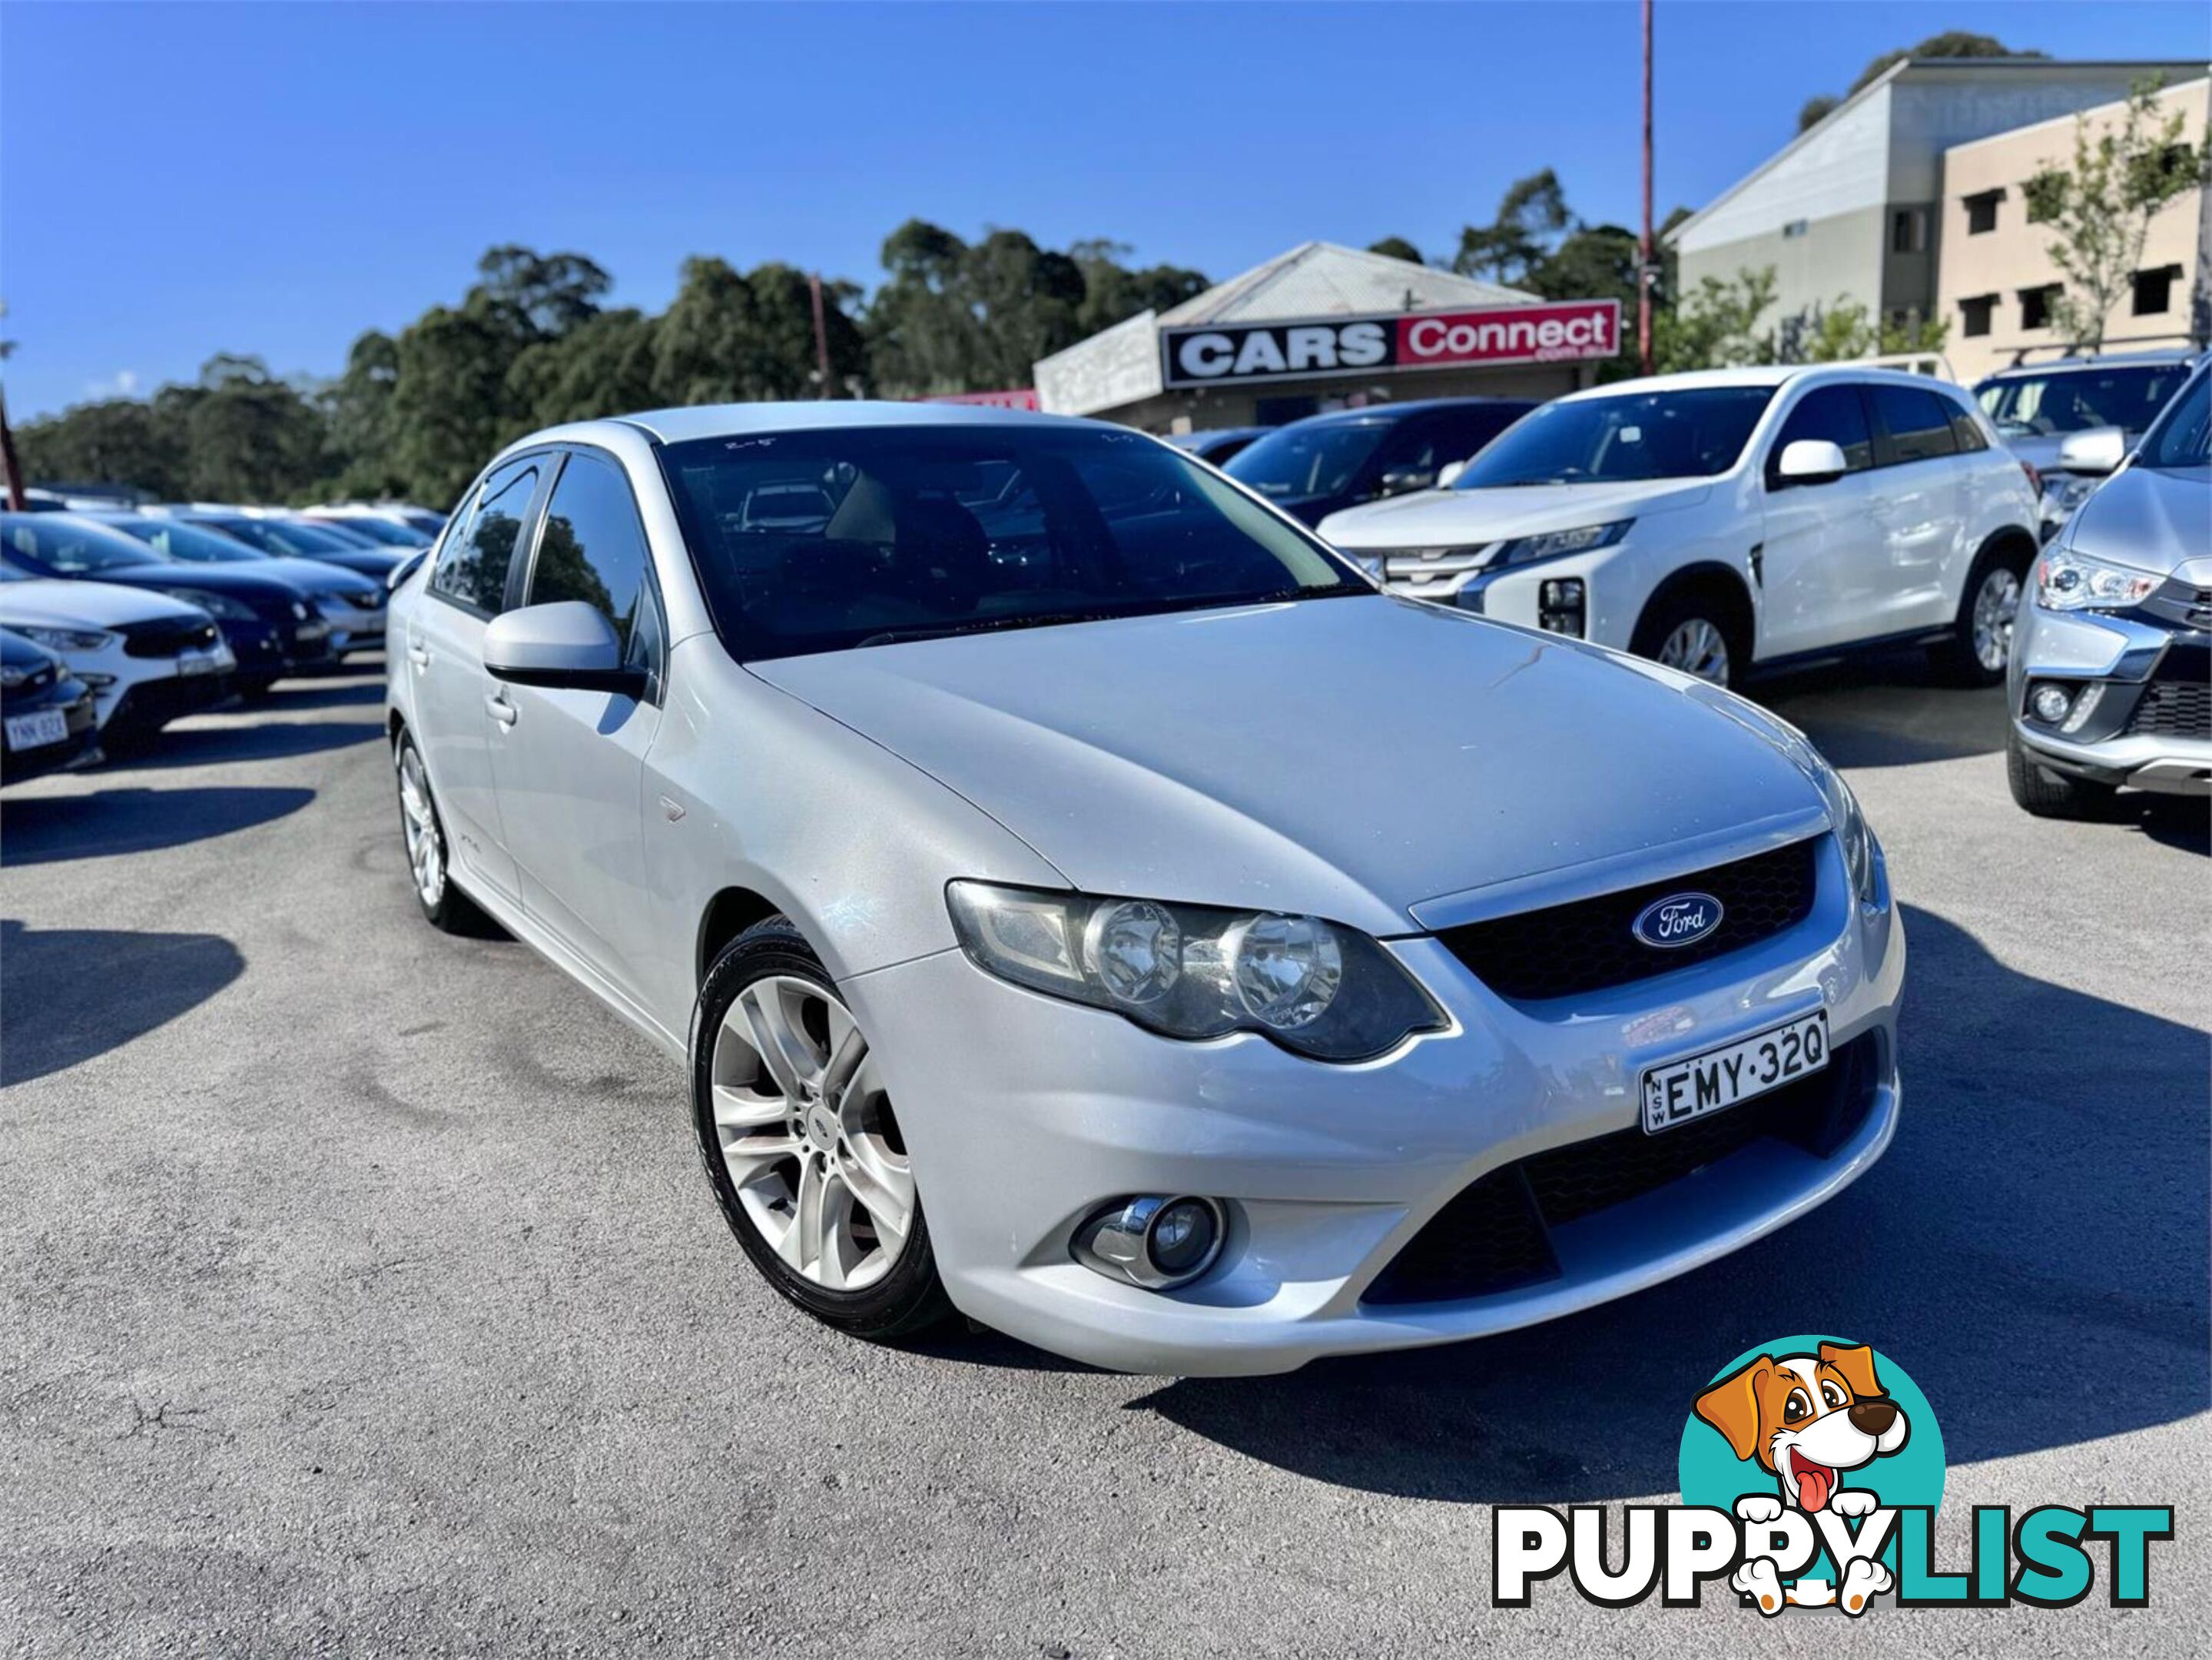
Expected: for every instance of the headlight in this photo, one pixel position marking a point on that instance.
(12, 675)
(1190, 971)
(215, 605)
(1557, 543)
(1851, 832)
(2067, 580)
(69, 639)
(2062, 494)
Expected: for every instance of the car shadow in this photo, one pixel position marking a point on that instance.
(1891, 709)
(2040, 1219)
(71, 993)
(262, 740)
(44, 830)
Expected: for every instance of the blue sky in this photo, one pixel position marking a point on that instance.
(178, 179)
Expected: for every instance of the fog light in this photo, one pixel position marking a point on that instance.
(1153, 1241)
(1561, 605)
(2048, 703)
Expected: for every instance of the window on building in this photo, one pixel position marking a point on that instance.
(1976, 313)
(1908, 230)
(2155, 291)
(1796, 228)
(1982, 212)
(2035, 306)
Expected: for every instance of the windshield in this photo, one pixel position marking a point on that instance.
(2184, 435)
(274, 536)
(817, 541)
(2073, 400)
(1306, 460)
(181, 541)
(1690, 434)
(380, 531)
(54, 543)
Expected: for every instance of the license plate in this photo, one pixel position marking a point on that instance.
(1683, 1090)
(198, 665)
(30, 731)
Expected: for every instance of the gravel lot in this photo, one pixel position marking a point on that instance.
(361, 1291)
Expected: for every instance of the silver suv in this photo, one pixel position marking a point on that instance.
(2110, 681)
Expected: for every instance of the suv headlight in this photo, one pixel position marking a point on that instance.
(2068, 580)
(69, 639)
(1557, 544)
(1190, 971)
(215, 605)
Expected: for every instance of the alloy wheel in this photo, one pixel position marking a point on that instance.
(1697, 647)
(1995, 602)
(426, 845)
(806, 1133)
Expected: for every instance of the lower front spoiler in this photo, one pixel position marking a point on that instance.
(1629, 1248)
(2168, 767)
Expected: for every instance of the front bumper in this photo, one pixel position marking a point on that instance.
(2142, 671)
(1023, 1114)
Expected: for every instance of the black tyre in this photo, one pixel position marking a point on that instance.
(255, 688)
(800, 1142)
(444, 906)
(2050, 795)
(1980, 642)
(1695, 630)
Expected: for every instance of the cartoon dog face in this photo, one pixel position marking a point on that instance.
(1807, 1419)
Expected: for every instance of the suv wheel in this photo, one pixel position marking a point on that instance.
(1688, 631)
(1980, 645)
(801, 1144)
(2050, 795)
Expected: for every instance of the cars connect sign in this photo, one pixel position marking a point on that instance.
(1564, 331)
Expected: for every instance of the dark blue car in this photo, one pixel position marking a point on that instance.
(1313, 467)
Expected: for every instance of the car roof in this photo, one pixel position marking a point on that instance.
(1771, 376)
(737, 420)
(2159, 358)
(1399, 411)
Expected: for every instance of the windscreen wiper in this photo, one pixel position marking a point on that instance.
(987, 625)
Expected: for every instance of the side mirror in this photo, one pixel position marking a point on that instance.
(406, 568)
(1401, 481)
(2098, 450)
(1811, 461)
(565, 644)
(1448, 474)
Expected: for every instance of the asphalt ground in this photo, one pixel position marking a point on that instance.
(360, 1291)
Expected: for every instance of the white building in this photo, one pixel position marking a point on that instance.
(1324, 326)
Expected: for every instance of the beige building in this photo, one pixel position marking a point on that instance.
(1996, 279)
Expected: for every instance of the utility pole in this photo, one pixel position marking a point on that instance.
(822, 332)
(1647, 271)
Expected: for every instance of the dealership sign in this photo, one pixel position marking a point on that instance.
(1566, 332)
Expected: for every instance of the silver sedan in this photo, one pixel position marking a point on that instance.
(1084, 902)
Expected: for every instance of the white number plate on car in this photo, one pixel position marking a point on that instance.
(29, 732)
(1682, 1089)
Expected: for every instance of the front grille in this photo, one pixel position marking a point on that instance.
(1590, 944)
(2177, 601)
(1496, 1235)
(166, 636)
(1429, 573)
(2172, 708)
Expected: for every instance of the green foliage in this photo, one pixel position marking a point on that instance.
(1717, 324)
(1531, 217)
(2100, 208)
(1952, 43)
(1397, 247)
(1845, 332)
(529, 345)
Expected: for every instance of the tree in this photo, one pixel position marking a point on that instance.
(2099, 209)
(728, 337)
(1952, 43)
(1846, 331)
(1112, 293)
(1397, 247)
(1531, 216)
(1716, 325)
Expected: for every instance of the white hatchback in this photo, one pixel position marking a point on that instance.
(1732, 517)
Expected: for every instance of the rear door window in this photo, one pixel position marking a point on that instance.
(472, 567)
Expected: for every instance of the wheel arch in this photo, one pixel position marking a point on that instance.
(726, 916)
(2008, 538)
(1707, 576)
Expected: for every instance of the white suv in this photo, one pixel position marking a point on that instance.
(1728, 519)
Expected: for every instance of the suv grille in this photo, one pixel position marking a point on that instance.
(1497, 1234)
(2172, 708)
(2177, 601)
(166, 636)
(1589, 944)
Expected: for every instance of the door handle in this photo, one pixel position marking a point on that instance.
(417, 655)
(501, 709)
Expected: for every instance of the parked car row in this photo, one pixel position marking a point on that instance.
(117, 623)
